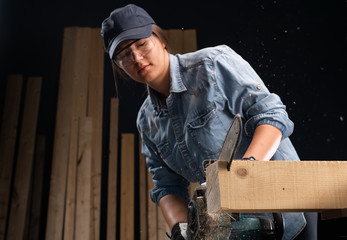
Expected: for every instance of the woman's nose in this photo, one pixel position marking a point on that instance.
(136, 56)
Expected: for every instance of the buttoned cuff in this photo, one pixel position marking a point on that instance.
(279, 120)
(157, 193)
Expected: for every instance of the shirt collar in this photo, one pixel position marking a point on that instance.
(175, 75)
(176, 84)
(155, 99)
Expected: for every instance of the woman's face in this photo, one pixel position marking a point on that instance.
(145, 60)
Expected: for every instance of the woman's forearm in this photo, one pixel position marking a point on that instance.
(265, 142)
(174, 209)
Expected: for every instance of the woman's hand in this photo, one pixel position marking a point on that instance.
(179, 231)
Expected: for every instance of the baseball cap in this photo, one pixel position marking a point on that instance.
(129, 22)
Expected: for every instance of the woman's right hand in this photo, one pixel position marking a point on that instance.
(179, 231)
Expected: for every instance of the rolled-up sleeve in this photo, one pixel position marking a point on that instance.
(247, 95)
(165, 180)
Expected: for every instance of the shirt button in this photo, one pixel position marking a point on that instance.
(192, 165)
(259, 86)
(179, 139)
(173, 112)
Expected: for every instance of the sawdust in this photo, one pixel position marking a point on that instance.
(211, 228)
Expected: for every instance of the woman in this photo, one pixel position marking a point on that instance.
(192, 99)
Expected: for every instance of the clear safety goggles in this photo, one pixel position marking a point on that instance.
(141, 47)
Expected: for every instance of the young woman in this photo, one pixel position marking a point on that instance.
(192, 100)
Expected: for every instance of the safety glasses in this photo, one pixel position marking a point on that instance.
(141, 47)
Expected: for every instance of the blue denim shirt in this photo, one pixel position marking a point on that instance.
(208, 88)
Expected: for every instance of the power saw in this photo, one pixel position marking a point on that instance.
(225, 226)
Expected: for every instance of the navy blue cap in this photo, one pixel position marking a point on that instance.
(129, 22)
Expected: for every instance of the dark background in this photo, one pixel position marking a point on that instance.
(296, 46)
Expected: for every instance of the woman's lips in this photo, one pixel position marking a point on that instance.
(143, 68)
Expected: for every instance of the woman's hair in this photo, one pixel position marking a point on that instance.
(159, 33)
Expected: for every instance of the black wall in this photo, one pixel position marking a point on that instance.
(298, 47)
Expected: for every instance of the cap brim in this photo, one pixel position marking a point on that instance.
(135, 33)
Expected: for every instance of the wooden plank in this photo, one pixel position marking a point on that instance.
(152, 210)
(143, 193)
(175, 38)
(37, 188)
(23, 173)
(78, 110)
(276, 186)
(192, 187)
(8, 136)
(162, 227)
(56, 202)
(182, 40)
(71, 186)
(127, 210)
(72, 104)
(189, 40)
(83, 227)
(112, 171)
(95, 107)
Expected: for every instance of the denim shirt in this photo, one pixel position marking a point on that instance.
(208, 88)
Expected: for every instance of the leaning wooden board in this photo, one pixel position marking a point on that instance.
(276, 186)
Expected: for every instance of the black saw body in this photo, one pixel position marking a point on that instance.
(225, 226)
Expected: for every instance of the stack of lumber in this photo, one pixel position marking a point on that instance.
(74, 198)
(75, 184)
(74, 201)
(20, 207)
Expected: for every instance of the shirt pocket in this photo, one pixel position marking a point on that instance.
(206, 133)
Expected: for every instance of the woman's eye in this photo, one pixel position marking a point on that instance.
(142, 44)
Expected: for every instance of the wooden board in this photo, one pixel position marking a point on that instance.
(71, 186)
(276, 186)
(189, 40)
(84, 227)
(162, 226)
(112, 171)
(72, 104)
(8, 136)
(20, 200)
(95, 109)
(152, 212)
(127, 201)
(182, 40)
(175, 38)
(37, 188)
(78, 104)
(143, 193)
(192, 187)
(56, 201)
